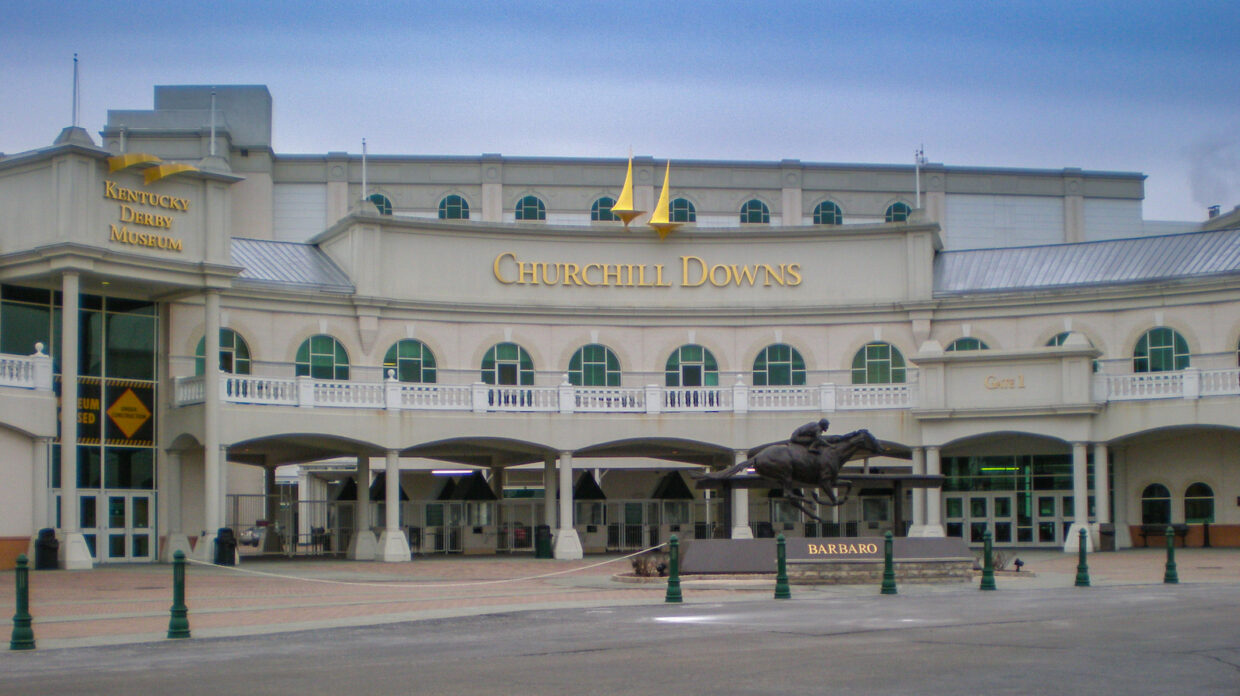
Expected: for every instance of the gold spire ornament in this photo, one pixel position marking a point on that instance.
(623, 208)
(660, 219)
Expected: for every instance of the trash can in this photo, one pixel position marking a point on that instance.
(542, 541)
(1106, 537)
(225, 547)
(46, 550)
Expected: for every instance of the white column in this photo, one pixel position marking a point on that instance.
(567, 545)
(1080, 500)
(393, 545)
(549, 489)
(170, 503)
(362, 545)
(40, 485)
(918, 528)
(934, 496)
(74, 554)
(740, 505)
(1123, 535)
(1102, 497)
(212, 465)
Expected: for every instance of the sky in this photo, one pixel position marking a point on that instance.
(1134, 86)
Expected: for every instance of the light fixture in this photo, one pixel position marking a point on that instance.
(451, 472)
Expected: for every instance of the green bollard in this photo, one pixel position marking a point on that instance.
(782, 591)
(23, 634)
(889, 571)
(1170, 576)
(673, 572)
(988, 563)
(178, 624)
(1082, 570)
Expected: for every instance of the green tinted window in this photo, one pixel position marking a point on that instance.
(878, 363)
(682, 210)
(594, 366)
(600, 211)
(967, 343)
(322, 357)
(453, 207)
(755, 212)
(531, 208)
(382, 202)
(828, 213)
(691, 366)
(1160, 350)
(412, 360)
(778, 365)
(897, 212)
(507, 364)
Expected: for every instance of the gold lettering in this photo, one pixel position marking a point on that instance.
(607, 274)
(743, 273)
(794, 274)
(570, 274)
(495, 266)
(525, 270)
(684, 271)
(585, 278)
(549, 281)
(770, 275)
(727, 275)
(658, 277)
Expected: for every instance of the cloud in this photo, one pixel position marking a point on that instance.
(1214, 171)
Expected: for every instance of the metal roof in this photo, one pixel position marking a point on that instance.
(270, 262)
(1118, 261)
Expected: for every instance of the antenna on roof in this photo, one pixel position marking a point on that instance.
(75, 90)
(212, 151)
(919, 159)
(365, 191)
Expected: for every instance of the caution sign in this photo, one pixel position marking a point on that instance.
(128, 413)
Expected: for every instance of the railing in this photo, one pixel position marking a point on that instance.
(1189, 383)
(27, 371)
(854, 397)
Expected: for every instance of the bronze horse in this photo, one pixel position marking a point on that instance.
(788, 465)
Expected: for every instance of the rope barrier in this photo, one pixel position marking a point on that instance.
(424, 585)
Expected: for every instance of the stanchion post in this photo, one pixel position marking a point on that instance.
(1170, 576)
(988, 563)
(1082, 569)
(23, 634)
(782, 591)
(889, 571)
(178, 623)
(673, 572)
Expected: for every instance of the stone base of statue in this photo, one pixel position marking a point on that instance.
(832, 561)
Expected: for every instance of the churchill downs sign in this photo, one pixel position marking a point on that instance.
(690, 272)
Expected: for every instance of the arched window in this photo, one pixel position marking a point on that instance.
(897, 212)
(382, 202)
(234, 354)
(531, 208)
(1156, 504)
(682, 210)
(322, 357)
(600, 210)
(412, 360)
(878, 363)
(755, 211)
(778, 365)
(1199, 504)
(1160, 350)
(692, 366)
(967, 343)
(828, 213)
(453, 207)
(1058, 340)
(507, 364)
(594, 365)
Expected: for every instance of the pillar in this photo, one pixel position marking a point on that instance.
(1080, 500)
(212, 466)
(549, 489)
(362, 544)
(567, 545)
(934, 496)
(918, 528)
(740, 505)
(393, 545)
(40, 485)
(1123, 535)
(175, 538)
(74, 554)
(271, 540)
(1102, 491)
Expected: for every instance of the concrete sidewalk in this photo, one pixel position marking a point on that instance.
(120, 604)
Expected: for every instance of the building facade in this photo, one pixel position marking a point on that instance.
(487, 334)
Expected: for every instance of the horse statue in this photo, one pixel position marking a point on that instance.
(788, 466)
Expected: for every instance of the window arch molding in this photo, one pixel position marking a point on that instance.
(530, 207)
(778, 365)
(828, 212)
(235, 357)
(594, 365)
(413, 361)
(454, 206)
(1059, 338)
(897, 211)
(755, 211)
(1160, 349)
(681, 209)
(879, 362)
(322, 356)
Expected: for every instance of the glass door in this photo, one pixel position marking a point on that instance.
(130, 527)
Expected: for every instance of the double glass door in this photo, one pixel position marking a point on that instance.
(118, 526)
(1035, 518)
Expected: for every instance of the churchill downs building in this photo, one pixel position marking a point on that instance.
(394, 354)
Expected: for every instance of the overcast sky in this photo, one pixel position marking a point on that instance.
(1151, 87)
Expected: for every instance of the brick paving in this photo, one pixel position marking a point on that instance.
(130, 603)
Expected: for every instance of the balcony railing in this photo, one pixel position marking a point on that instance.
(27, 371)
(564, 398)
(1189, 383)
